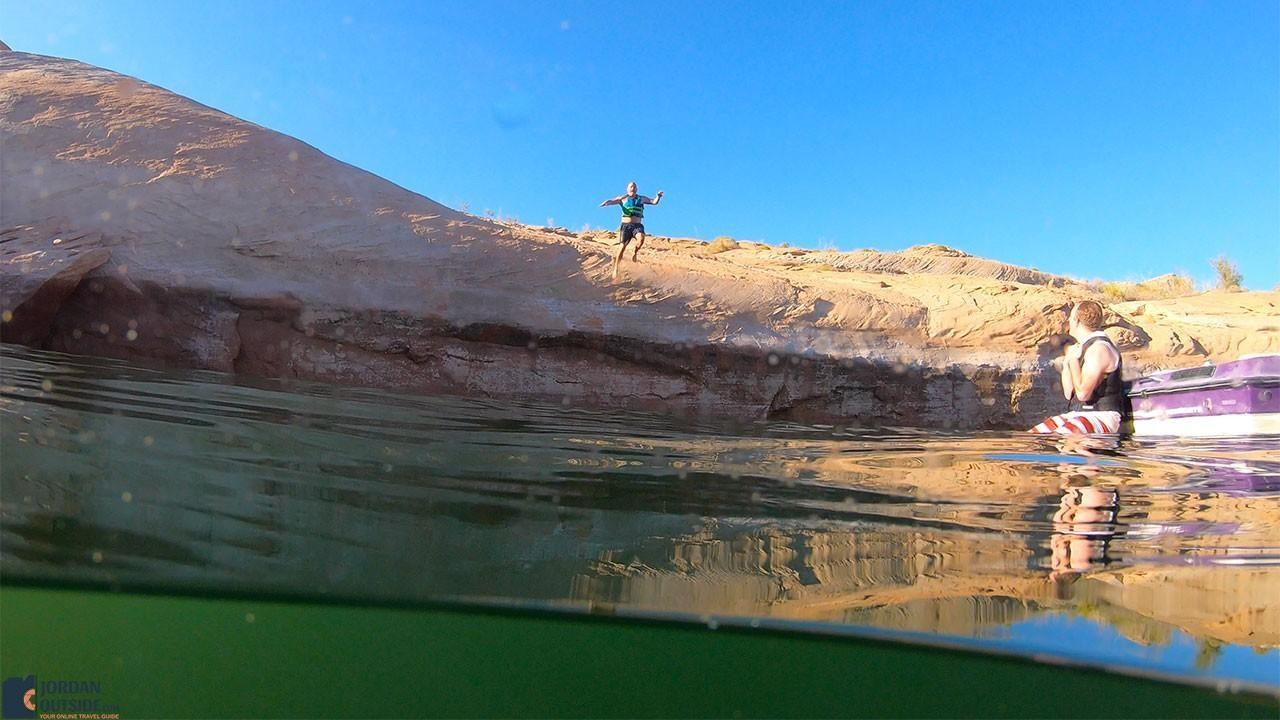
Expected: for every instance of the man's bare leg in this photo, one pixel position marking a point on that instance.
(618, 260)
(639, 244)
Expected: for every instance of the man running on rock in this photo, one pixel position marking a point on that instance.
(632, 221)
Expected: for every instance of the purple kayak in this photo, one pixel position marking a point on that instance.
(1241, 397)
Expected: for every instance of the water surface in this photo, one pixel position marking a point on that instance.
(1155, 556)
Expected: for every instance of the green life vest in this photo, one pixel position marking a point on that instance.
(632, 207)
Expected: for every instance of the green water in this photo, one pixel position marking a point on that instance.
(185, 657)
(373, 510)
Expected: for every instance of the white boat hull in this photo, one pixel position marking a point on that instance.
(1209, 425)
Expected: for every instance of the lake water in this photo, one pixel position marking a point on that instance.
(1155, 556)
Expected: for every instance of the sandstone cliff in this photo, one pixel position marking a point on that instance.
(138, 224)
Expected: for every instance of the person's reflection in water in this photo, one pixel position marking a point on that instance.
(1083, 527)
(1087, 517)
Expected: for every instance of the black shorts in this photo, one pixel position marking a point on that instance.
(628, 230)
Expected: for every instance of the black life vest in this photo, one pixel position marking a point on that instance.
(1108, 394)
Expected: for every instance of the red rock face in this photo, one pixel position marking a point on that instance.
(189, 238)
(273, 337)
(148, 324)
(40, 265)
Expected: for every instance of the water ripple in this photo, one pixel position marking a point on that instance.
(126, 475)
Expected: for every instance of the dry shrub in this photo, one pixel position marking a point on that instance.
(722, 243)
(1117, 292)
(1229, 277)
(1159, 288)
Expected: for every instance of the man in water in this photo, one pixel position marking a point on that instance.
(632, 221)
(1090, 377)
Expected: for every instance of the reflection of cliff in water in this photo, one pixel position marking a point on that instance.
(404, 540)
(930, 581)
(122, 475)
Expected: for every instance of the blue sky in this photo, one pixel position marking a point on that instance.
(1102, 140)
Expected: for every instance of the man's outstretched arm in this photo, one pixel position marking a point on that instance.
(612, 201)
(653, 200)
